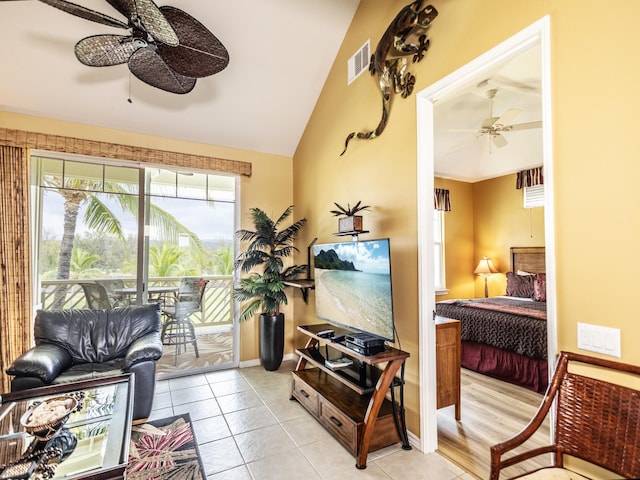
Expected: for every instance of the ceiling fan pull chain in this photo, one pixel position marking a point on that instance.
(129, 99)
(530, 223)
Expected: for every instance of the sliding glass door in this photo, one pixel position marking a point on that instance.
(111, 235)
(190, 225)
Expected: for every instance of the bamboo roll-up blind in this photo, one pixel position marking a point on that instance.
(15, 258)
(81, 146)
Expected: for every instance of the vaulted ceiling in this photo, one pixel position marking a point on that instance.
(280, 54)
(462, 152)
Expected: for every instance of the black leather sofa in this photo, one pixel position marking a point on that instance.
(74, 345)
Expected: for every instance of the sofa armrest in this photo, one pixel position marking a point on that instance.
(147, 347)
(45, 361)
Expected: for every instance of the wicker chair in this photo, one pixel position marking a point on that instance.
(595, 420)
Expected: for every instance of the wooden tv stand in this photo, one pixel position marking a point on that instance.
(351, 402)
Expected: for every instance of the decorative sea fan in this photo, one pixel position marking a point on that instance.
(167, 48)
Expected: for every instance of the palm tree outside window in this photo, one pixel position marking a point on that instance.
(89, 222)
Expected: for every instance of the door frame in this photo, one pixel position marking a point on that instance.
(537, 33)
(142, 231)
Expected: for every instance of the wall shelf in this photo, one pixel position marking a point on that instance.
(304, 284)
(354, 234)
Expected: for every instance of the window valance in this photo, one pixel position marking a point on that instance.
(441, 200)
(93, 148)
(529, 178)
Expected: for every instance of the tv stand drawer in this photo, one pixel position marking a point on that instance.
(306, 395)
(341, 410)
(342, 427)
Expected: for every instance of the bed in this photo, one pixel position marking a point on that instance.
(506, 337)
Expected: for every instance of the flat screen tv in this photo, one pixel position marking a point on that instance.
(353, 286)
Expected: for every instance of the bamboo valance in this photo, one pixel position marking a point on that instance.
(80, 146)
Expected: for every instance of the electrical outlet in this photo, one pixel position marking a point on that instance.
(599, 339)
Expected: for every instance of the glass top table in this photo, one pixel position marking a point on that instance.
(158, 289)
(155, 293)
(94, 439)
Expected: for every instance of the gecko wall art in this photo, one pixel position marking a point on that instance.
(389, 61)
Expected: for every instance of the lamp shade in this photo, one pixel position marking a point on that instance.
(485, 266)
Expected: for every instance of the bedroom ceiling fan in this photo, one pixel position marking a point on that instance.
(165, 48)
(493, 127)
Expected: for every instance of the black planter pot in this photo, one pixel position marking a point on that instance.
(271, 340)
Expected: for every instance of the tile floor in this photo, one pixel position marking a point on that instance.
(248, 429)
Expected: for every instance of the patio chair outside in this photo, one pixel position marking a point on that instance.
(96, 295)
(116, 299)
(178, 329)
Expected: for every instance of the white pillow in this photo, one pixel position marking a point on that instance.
(522, 272)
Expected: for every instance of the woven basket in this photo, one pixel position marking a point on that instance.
(46, 430)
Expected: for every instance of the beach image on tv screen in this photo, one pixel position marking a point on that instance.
(353, 285)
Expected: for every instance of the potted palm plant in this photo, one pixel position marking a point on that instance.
(349, 221)
(264, 287)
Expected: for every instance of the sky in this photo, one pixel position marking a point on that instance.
(369, 256)
(210, 223)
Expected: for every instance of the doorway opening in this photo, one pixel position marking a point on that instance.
(473, 74)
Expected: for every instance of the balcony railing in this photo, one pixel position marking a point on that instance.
(217, 303)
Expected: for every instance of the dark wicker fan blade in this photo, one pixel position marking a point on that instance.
(199, 53)
(106, 50)
(125, 7)
(149, 67)
(146, 16)
(86, 13)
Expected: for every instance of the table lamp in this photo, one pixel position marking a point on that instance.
(485, 268)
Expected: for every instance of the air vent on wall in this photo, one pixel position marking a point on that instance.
(358, 63)
(534, 196)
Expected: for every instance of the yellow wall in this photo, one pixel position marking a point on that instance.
(486, 218)
(501, 222)
(594, 77)
(269, 187)
(595, 145)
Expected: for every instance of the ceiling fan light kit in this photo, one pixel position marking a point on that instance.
(493, 127)
(166, 48)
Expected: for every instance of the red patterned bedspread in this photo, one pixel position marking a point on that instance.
(515, 325)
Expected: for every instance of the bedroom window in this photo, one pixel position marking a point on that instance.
(533, 196)
(438, 250)
(532, 183)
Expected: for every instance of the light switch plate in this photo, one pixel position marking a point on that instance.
(596, 338)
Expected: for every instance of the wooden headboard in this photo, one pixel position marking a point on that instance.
(528, 259)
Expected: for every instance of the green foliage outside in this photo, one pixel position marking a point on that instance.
(101, 256)
(330, 261)
(104, 251)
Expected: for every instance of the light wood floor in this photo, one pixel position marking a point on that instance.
(491, 412)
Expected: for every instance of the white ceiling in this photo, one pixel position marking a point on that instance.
(470, 157)
(280, 54)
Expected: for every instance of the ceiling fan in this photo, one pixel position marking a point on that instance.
(165, 48)
(493, 127)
